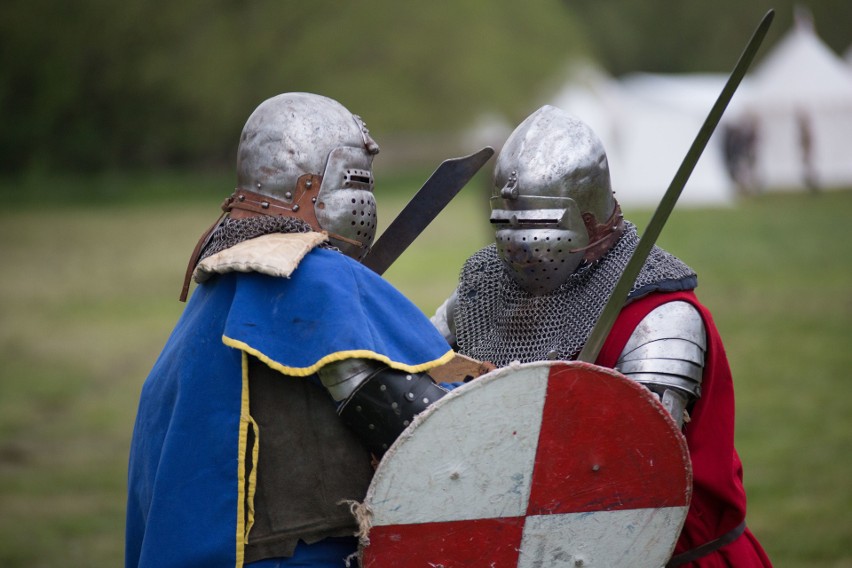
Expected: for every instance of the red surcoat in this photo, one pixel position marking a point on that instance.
(719, 499)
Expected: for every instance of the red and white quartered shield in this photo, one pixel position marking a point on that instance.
(546, 464)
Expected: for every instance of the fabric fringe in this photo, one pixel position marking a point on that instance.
(363, 516)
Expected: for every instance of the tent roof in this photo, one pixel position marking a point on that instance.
(647, 123)
(801, 69)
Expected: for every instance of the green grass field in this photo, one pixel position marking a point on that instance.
(89, 296)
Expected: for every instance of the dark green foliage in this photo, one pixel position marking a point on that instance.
(100, 84)
(97, 85)
(675, 37)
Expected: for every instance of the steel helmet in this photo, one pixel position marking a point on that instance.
(307, 156)
(552, 204)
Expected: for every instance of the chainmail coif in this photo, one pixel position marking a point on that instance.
(234, 231)
(498, 321)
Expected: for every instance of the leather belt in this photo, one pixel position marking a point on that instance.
(707, 548)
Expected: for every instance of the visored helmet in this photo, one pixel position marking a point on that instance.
(306, 156)
(552, 204)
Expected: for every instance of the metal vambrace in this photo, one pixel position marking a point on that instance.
(444, 319)
(665, 353)
(380, 402)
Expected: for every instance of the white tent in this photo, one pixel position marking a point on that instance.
(788, 127)
(647, 124)
(800, 99)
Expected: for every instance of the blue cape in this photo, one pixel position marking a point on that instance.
(187, 487)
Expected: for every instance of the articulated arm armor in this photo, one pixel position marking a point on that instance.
(379, 402)
(666, 354)
(443, 319)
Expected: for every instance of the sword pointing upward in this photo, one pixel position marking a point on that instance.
(444, 183)
(616, 301)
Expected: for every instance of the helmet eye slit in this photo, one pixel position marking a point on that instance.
(361, 177)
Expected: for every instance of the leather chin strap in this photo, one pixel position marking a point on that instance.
(243, 204)
(602, 236)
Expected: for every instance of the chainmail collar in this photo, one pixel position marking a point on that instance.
(234, 231)
(498, 321)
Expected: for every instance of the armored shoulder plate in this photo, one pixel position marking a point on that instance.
(666, 354)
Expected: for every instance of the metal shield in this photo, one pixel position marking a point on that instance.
(543, 464)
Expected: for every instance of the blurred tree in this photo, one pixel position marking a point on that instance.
(675, 37)
(98, 84)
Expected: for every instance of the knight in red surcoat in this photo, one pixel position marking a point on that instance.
(535, 294)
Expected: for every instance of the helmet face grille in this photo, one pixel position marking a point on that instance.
(346, 205)
(363, 217)
(350, 213)
(541, 246)
(540, 260)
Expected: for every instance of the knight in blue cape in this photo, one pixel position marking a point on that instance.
(291, 368)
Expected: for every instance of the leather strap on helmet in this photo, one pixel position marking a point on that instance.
(196, 252)
(243, 204)
(602, 236)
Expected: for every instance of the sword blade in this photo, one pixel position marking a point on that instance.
(441, 187)
(616, 301)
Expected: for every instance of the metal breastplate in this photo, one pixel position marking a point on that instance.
(497, 321)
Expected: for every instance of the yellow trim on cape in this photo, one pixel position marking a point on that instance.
(337, 356)
(245, 420)
(252, 481)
